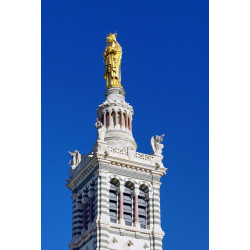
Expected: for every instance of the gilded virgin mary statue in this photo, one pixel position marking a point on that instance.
(112, 59)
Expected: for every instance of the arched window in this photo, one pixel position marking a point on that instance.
(143, 206)
(113, 200)
(128, 203)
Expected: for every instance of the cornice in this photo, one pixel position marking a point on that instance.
(115, 105)
(82, 173)
(122, 158)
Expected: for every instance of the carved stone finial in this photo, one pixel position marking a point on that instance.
(156, 144)
(76, 158)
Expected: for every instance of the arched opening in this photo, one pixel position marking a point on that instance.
(128, 203)
(113, 200)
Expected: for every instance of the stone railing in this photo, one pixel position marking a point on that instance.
(125, 151)
(121, 151)
(144, 157)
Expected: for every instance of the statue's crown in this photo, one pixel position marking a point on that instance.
(111, 34)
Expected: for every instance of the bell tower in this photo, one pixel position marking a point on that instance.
(115, 189)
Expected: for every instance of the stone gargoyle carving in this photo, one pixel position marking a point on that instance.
(76, 158)
(156, 144)
(100, 130)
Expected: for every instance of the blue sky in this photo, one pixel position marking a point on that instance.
(165, 76)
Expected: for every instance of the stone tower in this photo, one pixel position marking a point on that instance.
(115, 189)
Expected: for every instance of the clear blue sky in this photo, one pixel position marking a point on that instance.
(165, 76)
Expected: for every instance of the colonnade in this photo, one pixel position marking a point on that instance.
(112, 119)
(138, 219)
(88, 209)
(135, 215)
(84, 210)
(133, 206)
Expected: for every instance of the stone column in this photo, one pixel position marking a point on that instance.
(130, 123)
(121, 221)
(110, 119)
(121, 119)
(136, 194)
(116, 119)
(136, 209)
(126, 120)
(104, 120)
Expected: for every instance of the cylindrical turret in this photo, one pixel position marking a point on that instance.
(116, 116)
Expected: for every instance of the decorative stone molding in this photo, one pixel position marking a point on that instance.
(114, 240)
(115, 177)
(130, 243)
(122, 151)
(129, 180)
(146, 184)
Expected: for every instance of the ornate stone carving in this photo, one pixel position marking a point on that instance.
(122, 151)
(156, 144)
(106, 152)
(76, 158)
(100, 130)
(114, 240)
(130, 243)
(144, 157)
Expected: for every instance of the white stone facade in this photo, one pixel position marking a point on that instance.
(103, 222)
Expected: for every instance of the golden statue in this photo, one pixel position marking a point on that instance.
(112, 59)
